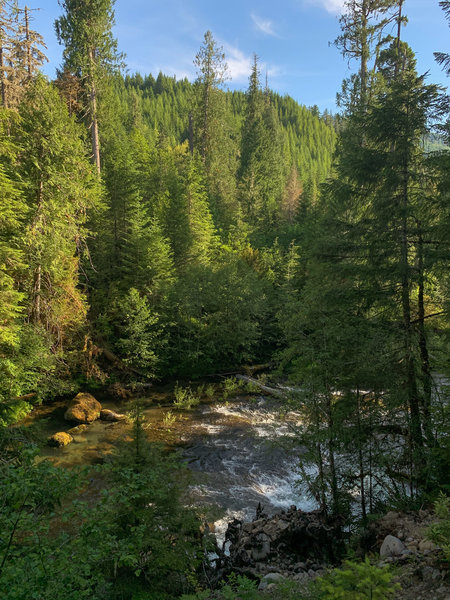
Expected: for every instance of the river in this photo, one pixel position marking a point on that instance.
(242, 452)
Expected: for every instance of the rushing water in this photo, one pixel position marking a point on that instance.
(242, 452)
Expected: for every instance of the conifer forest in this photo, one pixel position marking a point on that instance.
(172, 245)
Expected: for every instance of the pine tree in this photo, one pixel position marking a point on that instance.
(363, 24)
(188, 220)
(212, 133)
(90, 53)
(59, 188)
(261, 176)
(443, 58)
(21, 54)
(13, 212)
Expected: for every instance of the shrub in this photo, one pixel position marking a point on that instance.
(439, 533)
(230, 387)
(185, 399)
(357, 581)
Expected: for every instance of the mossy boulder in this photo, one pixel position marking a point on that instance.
(84, 408)
(60, 439)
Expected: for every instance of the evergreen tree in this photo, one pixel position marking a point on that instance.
(90, 53)
(261, 177)
(443, 58)
(213, 134)
(13, 212)
(59, 188)
(188, 220)
(21, 53)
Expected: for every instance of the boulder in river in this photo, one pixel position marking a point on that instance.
(84, 408)
(60, 439)
(78, 430)
(110, 415)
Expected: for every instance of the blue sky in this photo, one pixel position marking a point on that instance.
(291, 37)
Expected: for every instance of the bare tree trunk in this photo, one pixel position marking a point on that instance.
(411, 383)
(191, 134)
(360, 456)
(425, 359)
(28, 42)
(3, 80)
(36, 311)
(94, 117)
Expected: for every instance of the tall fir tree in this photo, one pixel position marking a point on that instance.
(90, 53)
(213, 136)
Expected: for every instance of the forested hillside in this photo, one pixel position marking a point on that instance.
(154, 229)
(171, 251)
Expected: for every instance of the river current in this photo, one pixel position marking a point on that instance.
(242, 452)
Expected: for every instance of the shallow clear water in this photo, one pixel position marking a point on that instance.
(241, 452)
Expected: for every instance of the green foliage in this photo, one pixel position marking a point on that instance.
(357, 581)
(130, 536)
(439, 533)
(230, 387)
(185, 398)
(139, 333)
(222, 326)
(210, 391)
(236, 587)
(169, 419)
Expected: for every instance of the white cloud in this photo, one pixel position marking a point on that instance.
(332, 6)
(239, 65)
(263, 25)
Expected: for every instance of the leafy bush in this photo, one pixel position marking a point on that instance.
(169, 418)
(210, 390)
(135, 539)
(185, 398)
(439, 533)
(230, 386)
(357, 581)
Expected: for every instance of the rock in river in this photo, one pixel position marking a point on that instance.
(60, 439)
(84, 408)
(110, 415)
(78, 430)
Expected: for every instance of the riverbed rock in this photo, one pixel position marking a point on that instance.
(60, 439)
(269, 579)
(78, 430)
(110, 415)
(391, 546)
(289, 541)
(261, 547)
(84, 408)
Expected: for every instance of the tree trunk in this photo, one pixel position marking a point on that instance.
(411, 383)
(360, 456)
(3, 79)
(425, 359)
(333, 476)
(191, 134)
(36, 310)
(28, 41)
(94, 117)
